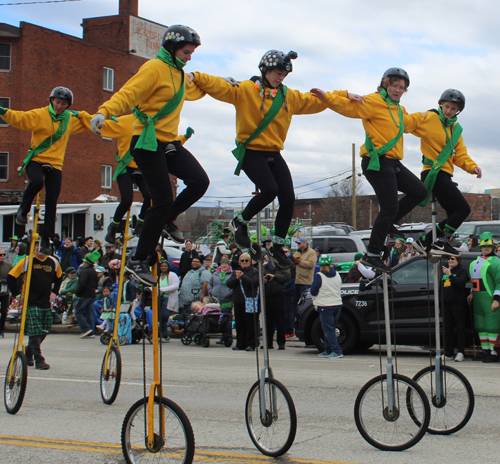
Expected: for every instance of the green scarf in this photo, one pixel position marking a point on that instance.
(166, 57)
(48, 142)
(374, 164)
(446, 121)
(240, 150)
(122, 163)
(147, 139)
(223, 277)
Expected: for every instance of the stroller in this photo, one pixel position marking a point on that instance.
(210, 321)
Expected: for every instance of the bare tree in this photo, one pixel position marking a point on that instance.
(338, 202)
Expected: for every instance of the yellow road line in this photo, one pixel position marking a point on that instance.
(112, 448)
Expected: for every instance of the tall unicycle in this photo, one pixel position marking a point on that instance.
(111, 368)
(155, 429)
(449, 392)
(387, 406)
(270, 413)
(16, 377)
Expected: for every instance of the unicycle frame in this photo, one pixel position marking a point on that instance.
(114, 339)
(26, 287)
(391, 399)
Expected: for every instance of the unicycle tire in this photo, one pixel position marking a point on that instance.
(176, 447)
(15, 389)
(399, 431)
(110, 380)
(457, 404)
(274, 435)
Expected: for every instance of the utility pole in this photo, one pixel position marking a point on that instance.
(354, 185)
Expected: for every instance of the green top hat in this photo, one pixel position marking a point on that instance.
(91, 258)
(486, 239)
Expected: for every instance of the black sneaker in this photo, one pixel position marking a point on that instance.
(255, 251)
(140, 271)
(30, 362)
(171, 231)
(45, 246)
(240, 231)
(277, 257)
(21, 218)
(376, 263)
(423, 243)
(442, 248)
(42, 365)
(138, 228)
(491, 358)
(395, 233)
(111, 235)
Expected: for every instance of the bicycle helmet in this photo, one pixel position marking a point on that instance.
(397, 72)
(453, 96)
(63, 93)
(181, 34)
(274, 59)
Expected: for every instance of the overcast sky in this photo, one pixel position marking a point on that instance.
(341, 45)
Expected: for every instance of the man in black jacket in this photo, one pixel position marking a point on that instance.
(187, 258)
(85, 295)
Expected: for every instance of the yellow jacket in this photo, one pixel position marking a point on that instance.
(247, 100)
(150, 89)
(433, 140)
(377, 120)
(40, 122)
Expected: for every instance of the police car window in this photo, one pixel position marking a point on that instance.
(341, 245)
(415, 272)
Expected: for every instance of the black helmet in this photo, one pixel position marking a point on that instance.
(181, 34)
(274, 59)
(63, 93)
(453, 96)
(397, 72)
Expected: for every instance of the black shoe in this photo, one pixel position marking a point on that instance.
(376, 263)
(395, 233)
(111, 235)
(140, 271)
(281, 347)
(138, 228)
(45, 246)
(172, 232)
(249, 348)
(21, 218)
(423, 244)
(442, 248)
(277, 257)
(29, 362)
(42, 365)
(237, 348)
(240, 231)
(491, 358)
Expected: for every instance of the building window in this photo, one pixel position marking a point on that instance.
(4, 167)
(4, 103)
(5, 56)
(106, 176)
(109, 79)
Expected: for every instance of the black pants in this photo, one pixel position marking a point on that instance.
(244, 323)
(450, 198)
(275, 315)
(156, 167)
(269, 172)
(34, 350)
(125, 183)
(4, 307)
(53, 181)
(386, 183)
(453, 314)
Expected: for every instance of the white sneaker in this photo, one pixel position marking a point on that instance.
(459, 357)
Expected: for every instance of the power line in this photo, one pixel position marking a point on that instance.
(33, 3)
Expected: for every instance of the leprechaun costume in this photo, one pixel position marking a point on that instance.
(485, 275)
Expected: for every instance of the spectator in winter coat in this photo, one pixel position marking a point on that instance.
(5, 268)
(410, 252)
(248, 278)
(186, 258)
(396, 251)
(221, 249)
(359, 270)
(69, 255)
(275, 280)
(21, 253)
(235, 256)
(109, 255)
(454, 296)
(217, 288)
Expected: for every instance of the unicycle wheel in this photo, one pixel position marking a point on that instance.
(456, 405)
(273, 435)
(15, 388)
(176, 445)
(394, 430)
(111, 375)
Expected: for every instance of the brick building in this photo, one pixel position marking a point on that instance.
(34, 60)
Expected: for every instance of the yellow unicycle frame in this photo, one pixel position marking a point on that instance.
(156, 385)
(114, 339)
(26, 287)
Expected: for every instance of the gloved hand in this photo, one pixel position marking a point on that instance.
(232, 81)
(2, 111)
(96, 123)
(189, 133)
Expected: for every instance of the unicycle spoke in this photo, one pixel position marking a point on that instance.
(274, 434)
(394, 431)
(15, 388)
(456, 404)
(177, 445)
(111, 375)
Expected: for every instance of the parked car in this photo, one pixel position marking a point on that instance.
(411, 293)
(341, 248)
(487, 226)
(338, 225)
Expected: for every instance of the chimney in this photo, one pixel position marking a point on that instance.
(129, 7)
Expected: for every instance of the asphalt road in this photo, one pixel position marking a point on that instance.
(64, 420)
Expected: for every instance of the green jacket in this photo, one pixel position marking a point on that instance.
(490, 274)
